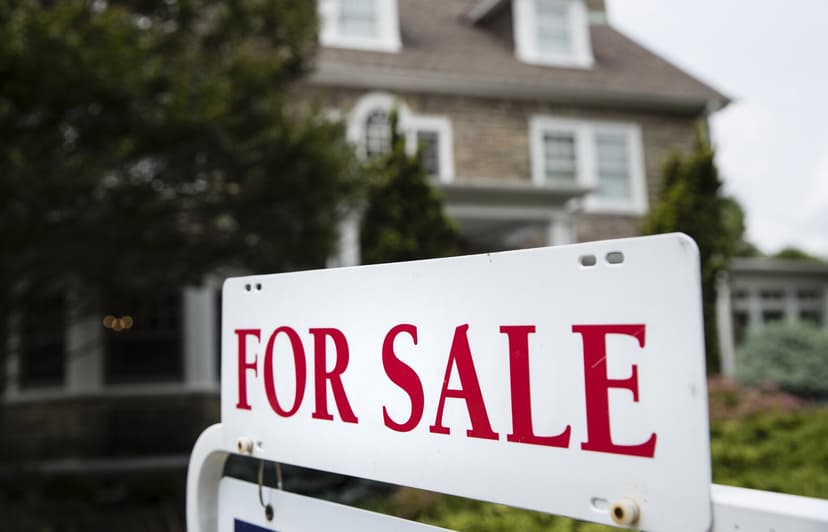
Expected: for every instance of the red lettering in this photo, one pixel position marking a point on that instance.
(244, 365)
(597, 386)
(522, 431)
(403, 376)
(460, 356)
(334, 376)
(300, 371)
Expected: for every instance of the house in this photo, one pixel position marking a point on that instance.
(540, 123)
(758, 291)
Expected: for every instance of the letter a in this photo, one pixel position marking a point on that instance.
(460, 356)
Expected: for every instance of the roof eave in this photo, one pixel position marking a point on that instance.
(481, 10)
(365, 77)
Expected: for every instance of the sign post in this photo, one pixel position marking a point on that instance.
(568, 380)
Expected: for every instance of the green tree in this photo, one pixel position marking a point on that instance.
(792, 253)
(404, 218)
(147, 142)
(692, 203)
(734, 222)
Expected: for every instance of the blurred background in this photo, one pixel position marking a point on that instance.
(151, 148)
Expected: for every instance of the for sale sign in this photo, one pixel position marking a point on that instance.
(568, 380)
(240, 509)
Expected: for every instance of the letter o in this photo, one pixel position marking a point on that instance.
(300, 372)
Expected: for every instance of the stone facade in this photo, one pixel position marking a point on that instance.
(492, 142)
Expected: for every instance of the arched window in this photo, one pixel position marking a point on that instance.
(377, 133)
(369, 129)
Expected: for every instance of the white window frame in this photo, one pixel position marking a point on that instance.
(85, 356)
(586, 160)
(387, 38)
(525, 30)
(433, 124)
(409, 124)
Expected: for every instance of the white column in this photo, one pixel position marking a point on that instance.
(724, 324)
(12, 388)
(825, 307)
(754, 309)
(200, 334)
(791, 304)
(348, 252)
(560, 230)
(84, 353)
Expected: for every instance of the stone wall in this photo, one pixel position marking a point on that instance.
(492, 141)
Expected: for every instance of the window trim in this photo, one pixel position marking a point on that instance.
(445, 140)
(409, 124)
(525, 30)
(387, 38)
(586, 161)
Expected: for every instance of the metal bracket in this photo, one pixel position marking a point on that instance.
(203, 475)
(733, 508)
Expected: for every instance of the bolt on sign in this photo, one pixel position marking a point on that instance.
(568, 380)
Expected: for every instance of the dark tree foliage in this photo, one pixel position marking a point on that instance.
(734, 222)
(793, 253)
(147, 142)
(404, 218)
(692, 203)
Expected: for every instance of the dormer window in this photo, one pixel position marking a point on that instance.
(358, 18)
(360, 24)
(552, 32)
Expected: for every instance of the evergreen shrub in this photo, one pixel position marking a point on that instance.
(790, 355)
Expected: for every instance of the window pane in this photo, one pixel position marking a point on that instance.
(772, 294)
(377, 134)
(428, 144)
(552, 27)
(613, 165)
(42, 342)
(357, 18)
(149, 350)
(809, 294)
(740, 327)
(770, 316)
(559, 161)
(813, 316)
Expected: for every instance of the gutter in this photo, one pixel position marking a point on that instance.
(370, 77)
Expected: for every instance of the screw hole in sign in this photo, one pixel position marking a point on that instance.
(258, 287)
(247, 287)
(599, 504)
(588, 260)
(615, 257)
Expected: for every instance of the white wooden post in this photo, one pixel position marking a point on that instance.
(724, 324)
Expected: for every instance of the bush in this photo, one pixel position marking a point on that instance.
(790, 355)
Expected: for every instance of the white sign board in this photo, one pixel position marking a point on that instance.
(559, 379)
(239, 510)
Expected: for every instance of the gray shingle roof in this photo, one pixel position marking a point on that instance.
(442, 49)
